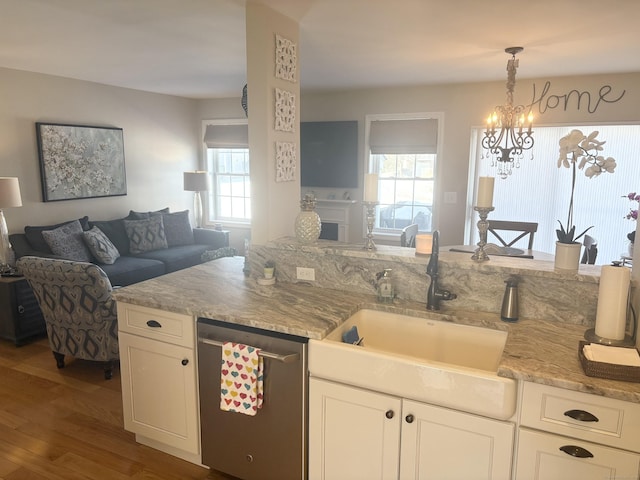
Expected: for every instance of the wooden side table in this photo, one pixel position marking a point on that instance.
(20, 315)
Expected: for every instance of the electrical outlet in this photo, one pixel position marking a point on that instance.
(303, 273)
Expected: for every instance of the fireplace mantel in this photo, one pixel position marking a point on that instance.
(338, 212)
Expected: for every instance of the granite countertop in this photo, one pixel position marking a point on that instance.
(537, 350)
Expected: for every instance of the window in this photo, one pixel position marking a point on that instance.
(231, 197)
(227, 159)
(403, 152)
(539, 191)
(405, 189)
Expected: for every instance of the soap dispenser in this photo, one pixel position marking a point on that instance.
(509, 312)
(386, 292)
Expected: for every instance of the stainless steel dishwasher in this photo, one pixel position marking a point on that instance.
(273, 443)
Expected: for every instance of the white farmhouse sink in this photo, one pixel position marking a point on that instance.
(428, 360)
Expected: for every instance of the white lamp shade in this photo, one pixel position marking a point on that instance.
(195, 181)
(10, 192)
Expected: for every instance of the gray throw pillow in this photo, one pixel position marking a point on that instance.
(133, 215)
(114, 230)
(101, 247)
(36, 240)
(67, 242)
(178, 229)
(145, 235)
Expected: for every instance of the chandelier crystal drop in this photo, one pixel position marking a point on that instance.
(508, 131)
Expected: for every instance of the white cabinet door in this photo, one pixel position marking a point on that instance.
(438, 443)
(159, 391)
(353, 433)
(545, 456)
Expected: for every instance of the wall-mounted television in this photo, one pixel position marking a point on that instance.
(329, 154)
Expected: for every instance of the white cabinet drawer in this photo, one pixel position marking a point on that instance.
(160, 325)
(581, 415)
(545, 456)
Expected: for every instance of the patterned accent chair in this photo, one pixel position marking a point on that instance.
(80, 315)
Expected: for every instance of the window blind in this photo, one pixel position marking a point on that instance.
(403, 136)
(227, 136)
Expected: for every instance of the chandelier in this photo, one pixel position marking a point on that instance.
(508, 134)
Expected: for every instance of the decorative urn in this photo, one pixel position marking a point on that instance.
(307, 225)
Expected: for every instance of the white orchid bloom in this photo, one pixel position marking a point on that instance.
(592, 171)
(609, 164)
(583, 161)
(587, 145)
(570, 148)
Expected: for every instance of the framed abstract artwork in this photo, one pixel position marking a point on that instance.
(79, 161)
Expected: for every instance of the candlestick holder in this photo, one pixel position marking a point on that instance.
(371, 218)
(483, 225)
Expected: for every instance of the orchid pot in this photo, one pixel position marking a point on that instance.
(567, 256)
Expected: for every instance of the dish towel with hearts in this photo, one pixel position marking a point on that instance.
(241, 378)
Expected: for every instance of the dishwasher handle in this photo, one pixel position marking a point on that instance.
(290, 358)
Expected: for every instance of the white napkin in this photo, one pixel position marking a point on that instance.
(614, 355)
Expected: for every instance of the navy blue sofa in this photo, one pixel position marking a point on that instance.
(182, 247)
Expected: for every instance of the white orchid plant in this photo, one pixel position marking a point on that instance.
(580, 152)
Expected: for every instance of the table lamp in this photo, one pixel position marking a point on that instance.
(9, 197)
(196, 182)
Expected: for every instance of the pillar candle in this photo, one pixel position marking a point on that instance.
(371, 187)
(424, 244)
(485, 192)
(611, 314)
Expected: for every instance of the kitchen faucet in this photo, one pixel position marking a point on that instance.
(434, 294)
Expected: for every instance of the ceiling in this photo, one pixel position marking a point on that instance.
(196, 48)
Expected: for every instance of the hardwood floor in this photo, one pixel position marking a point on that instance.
(67, 424)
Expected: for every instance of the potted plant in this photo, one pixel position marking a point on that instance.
(578, 152)
(632, 215)
(269, 268)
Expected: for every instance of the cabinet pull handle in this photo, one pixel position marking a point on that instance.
(576, 451)
(581, 416)
(409, 418)
(185, 361)
(286, 358)
(389, 414)
(153, 324)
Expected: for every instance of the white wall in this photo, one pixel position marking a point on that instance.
(160, 139)
(274, 205)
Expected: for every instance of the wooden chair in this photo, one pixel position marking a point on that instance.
(408, 235)
(590, 250)
(525, 228)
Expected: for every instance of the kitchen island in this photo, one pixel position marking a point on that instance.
(541, 355)
(537, 350)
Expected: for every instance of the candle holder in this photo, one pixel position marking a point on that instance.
(483, 225)
(371, 218)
